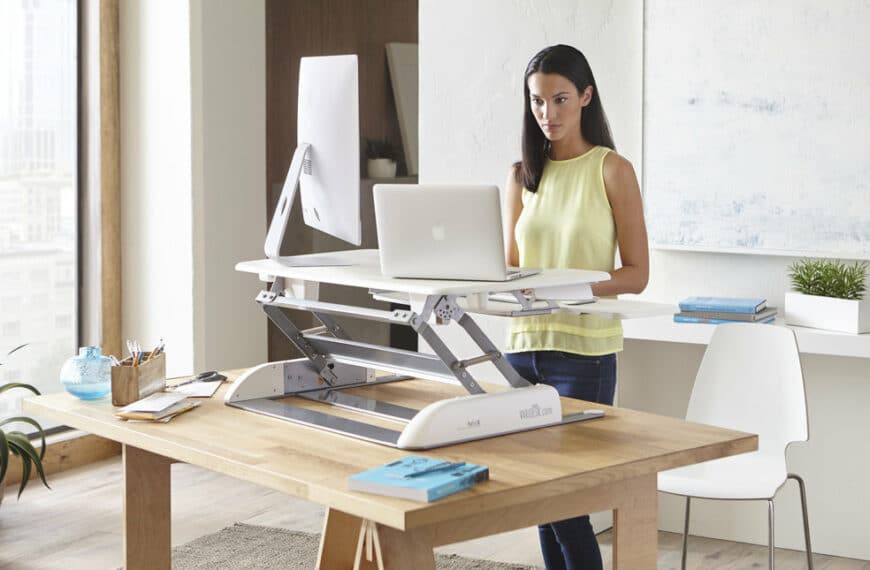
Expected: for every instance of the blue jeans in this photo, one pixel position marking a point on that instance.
(570, 544)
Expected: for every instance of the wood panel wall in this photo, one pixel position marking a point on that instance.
(299, 28)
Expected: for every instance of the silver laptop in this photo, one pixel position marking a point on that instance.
(442, 232)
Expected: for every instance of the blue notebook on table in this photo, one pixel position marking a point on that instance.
(417, 478)
(723, 304)
(678, 318)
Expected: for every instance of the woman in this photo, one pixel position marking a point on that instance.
(570, 202)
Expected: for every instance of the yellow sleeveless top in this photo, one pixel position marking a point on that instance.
(568, 223)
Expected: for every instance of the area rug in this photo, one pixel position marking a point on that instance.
(249, 547)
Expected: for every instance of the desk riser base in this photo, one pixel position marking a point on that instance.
(336, 362)
(369, 432)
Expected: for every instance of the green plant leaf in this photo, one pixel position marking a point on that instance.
(32, 422)
(378, 148)
(25, 474)
(4, 454)
(28, 455)
(16, 349)
(11, 385)
(828, 278)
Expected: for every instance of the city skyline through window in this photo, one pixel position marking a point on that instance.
(39, 276)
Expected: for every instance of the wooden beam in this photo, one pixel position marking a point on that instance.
(110, 177)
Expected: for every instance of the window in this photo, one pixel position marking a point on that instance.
(10, 329)
(39, 261)
(63, 321)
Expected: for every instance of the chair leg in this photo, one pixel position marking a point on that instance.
(803, 491)
(686, 532)
(770, 545)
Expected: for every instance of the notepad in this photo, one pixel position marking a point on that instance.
(162, 416)
(154, 403)
(198, 389)
(723, 304)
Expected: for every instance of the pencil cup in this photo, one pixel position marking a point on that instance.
(131, 383)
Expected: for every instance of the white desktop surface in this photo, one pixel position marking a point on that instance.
(811, 341)
(366, 272)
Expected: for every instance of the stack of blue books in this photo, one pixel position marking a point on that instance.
(716, 310)
(418, 478)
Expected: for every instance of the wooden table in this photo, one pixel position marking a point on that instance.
(535, 477)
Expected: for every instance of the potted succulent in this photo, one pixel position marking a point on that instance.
(17, 443)
(828, 295)
(381, 155)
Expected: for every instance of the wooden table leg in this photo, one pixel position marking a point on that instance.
(407, 549)
(339, 540)
(635, 526)
(400, 550)
(147, 510)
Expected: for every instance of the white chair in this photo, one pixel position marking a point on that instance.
(750, 380)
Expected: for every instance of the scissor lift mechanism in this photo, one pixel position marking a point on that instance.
(333, 362)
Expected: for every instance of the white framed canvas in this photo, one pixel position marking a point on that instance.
(756, 127)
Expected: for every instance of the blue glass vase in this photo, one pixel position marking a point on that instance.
(89, 375)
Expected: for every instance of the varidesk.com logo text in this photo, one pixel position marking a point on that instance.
(535, 411)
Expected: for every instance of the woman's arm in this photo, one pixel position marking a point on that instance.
(513, 209)
(623, 192)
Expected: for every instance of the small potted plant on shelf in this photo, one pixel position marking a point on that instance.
(381, 155)
(13, 442)
(828, 295)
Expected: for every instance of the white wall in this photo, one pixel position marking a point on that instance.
(228, 45)
(193, 178)
(472, 59)
(471, 65)
(156, 240)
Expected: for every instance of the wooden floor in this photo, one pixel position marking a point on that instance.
(77, 525)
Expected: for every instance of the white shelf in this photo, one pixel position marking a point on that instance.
(810, 341)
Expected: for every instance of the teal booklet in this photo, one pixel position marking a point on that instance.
(418, 478)
(723, 304)
(680, 318)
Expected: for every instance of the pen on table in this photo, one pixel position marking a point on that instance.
(435, 468)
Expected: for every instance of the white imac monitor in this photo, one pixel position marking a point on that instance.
(326, 161)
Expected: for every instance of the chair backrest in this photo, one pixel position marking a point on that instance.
(751, 380)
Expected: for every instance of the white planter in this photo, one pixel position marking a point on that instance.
(828, 313)
(381, 168)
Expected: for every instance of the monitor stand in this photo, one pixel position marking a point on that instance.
(278, 225)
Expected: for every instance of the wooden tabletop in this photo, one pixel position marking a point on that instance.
(314, 465)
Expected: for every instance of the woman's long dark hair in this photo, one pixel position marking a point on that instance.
(570, 63)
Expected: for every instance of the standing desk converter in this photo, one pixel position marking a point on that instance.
(334, 362)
